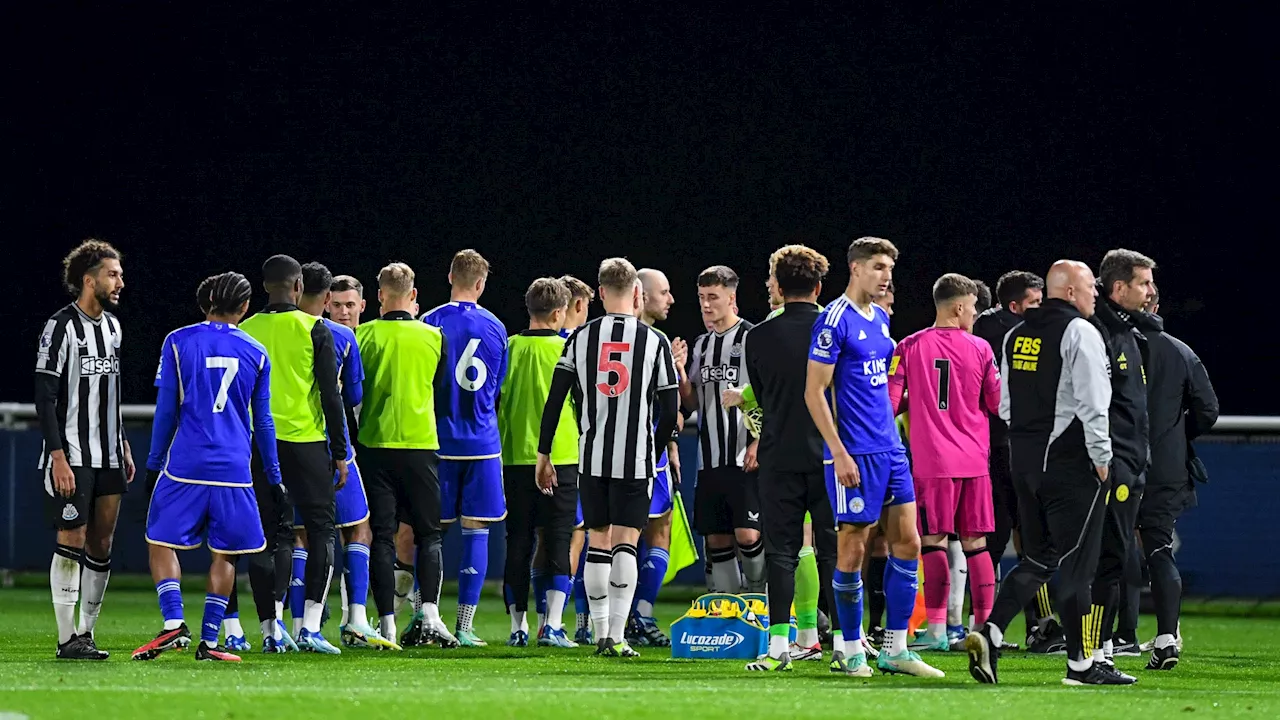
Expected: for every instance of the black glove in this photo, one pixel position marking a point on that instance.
(280, 494)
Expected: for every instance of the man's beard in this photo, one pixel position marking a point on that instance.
(104, 299)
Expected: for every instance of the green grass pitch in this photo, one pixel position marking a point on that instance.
(1229, 669)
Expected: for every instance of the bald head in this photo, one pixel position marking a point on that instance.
(657, 299)
(1072, 280)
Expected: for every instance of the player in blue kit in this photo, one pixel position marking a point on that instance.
(470, 445)
(214, 400)
(848, 373)
(351, 515)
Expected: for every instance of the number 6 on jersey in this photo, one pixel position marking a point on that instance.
(469, 360)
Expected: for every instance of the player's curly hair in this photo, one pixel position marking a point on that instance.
(84, 259)
(316, 279)
(798, 269)
(545, 296)
(223, 294)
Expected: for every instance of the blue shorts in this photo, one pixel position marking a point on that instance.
(577, 519)
(660, 498)
(885, 480)
(351, 507)
(472, 490)
(181, 513)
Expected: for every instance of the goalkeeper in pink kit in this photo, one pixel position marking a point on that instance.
(953, 383)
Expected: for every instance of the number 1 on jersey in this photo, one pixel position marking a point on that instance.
(943, 366)
(232, 366)
(469, 360)
(611, 386)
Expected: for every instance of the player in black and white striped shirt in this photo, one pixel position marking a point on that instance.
(726, 500)
(85, 463)
(620, 371)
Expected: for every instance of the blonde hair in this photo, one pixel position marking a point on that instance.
(396, 279)
(618, 274)
(468, 267)
(578, 288)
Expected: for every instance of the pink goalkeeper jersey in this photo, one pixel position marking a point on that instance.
(951, 378)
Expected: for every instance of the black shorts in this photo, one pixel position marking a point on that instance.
(786, 497)
(611, 501)
(725, 499)
(307, 472)
(402, 485)
(91, 483)
(530, 508)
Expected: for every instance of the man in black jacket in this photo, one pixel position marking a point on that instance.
(1016, 292)
(1181, 405)
(1126, 284)
(792, 481)
(1055, 395)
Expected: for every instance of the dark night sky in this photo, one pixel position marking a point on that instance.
(200, 141)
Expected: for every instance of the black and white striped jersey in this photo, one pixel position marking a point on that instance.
(716, 362)
(619, 365)
(84, 354)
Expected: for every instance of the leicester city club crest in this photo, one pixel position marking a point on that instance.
(857, 505)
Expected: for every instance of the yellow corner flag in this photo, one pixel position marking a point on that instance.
(683, 552)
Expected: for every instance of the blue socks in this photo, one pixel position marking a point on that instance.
(298, 585)
(540, 585)
(652, 572)
(215, 606)
(848, 587)
(580, 604)
(474, 564)
(900, 588)
(357, 571)
(169, 592)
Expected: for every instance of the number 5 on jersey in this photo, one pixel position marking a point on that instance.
(468, 361)
(612, 377)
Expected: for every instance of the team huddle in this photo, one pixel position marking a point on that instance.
(825, 450)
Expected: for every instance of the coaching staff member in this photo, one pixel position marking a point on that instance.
(790, 449)
(1127, 286)
(1181, 406)
(1055, 396)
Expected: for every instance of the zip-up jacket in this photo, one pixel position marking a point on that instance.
(1181, 403)
(1127, 352)
(1056, 391)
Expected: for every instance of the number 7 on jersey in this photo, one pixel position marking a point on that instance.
(616, 377)
(232, 366)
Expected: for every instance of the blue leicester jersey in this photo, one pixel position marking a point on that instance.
(476, 345)
(860, 348)
(350, 372)
(219, 381)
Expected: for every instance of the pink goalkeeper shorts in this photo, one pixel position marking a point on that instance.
(955, 506)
